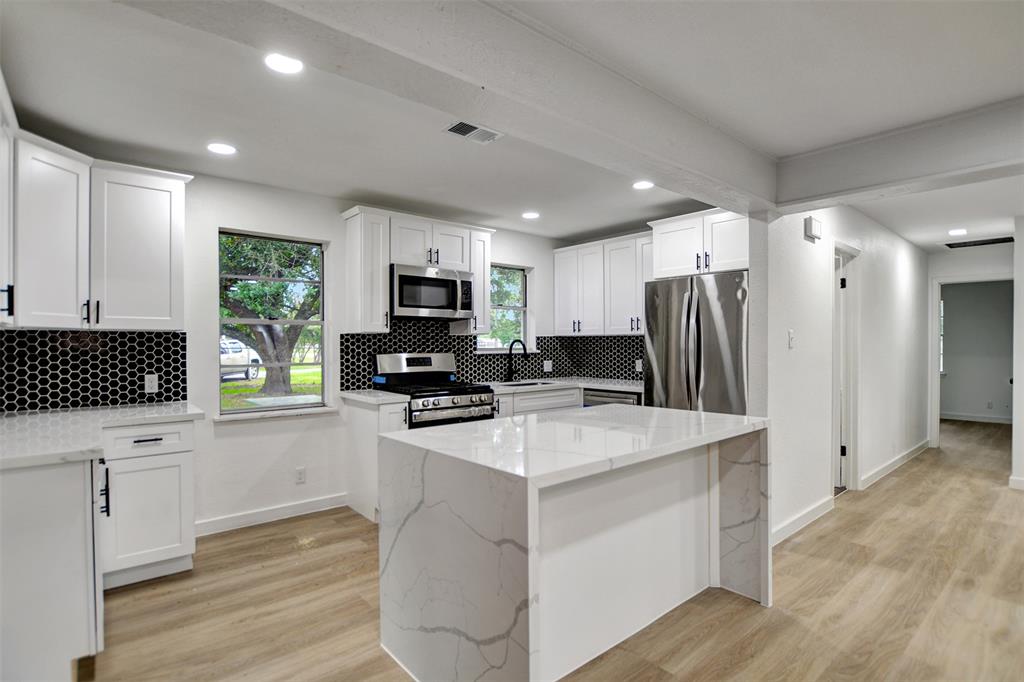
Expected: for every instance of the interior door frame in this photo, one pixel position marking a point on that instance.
(845, 327)
(934, 380)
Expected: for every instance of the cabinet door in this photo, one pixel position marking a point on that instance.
(503, 406)
(591, 288)
(51, 238)
(645, 273)
(370, 276)
(451, 247)
(410, 240)
(137, 235)
(679, 247)
(480, 266)
(6, 224)
(150, 514)
(567, 291)
(393, 418)
(620, 287)
(726, 242)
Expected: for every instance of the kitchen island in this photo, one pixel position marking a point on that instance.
(521, 548)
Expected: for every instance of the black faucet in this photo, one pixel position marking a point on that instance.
(510, 373)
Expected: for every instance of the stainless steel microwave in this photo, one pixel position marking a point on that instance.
(431, 292)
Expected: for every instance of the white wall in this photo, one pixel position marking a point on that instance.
(1017, 474)
(888, 295)
(964, 264)
(978, 351)
(245, 470)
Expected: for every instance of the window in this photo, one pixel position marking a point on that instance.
(271, 324)
(508, 307)
(942, 320)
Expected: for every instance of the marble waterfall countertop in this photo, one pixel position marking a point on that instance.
(549, 448)
(39, 438)
(553, 383)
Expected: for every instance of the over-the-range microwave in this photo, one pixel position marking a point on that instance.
(431, 292)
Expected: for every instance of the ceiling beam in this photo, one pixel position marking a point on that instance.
(484, 66)
(973, 146)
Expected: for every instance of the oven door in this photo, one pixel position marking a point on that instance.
(423, 418)
(431, 292)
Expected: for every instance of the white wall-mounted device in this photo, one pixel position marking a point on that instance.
(812, 228)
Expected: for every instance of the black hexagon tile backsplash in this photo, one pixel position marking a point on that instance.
(605, 357)
(47, 369)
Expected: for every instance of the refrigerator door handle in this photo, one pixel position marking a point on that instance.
(698, 364)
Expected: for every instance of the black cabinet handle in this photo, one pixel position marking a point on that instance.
(437, 256)
(698, 261)
(85, 306)
(9, 290)
(385, 318)
(474, 322)
(97, 311)
(105, 492)
(631, 324)
(142, 441)
(707, 260)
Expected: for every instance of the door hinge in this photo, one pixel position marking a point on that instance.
(842, 282)
(842, 451)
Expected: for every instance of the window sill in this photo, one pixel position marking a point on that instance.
(276, 414)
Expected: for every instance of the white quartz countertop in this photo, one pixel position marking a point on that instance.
(41, 438)
(374, 397)
(553, 383)
(564, 445)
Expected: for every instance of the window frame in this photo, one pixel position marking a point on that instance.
(527, 335)
(321, 321)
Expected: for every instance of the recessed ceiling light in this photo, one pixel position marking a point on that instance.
(221, 148)
(531, 215)
(959, 232)
(643, 184)
(282, 64)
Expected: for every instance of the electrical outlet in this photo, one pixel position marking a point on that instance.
(639, 365)
(548, 366)
(300, 475)
(152, 383)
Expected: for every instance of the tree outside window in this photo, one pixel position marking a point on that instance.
(508, 307)
(271, 323)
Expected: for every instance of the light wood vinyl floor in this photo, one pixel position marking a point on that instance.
(920, 577)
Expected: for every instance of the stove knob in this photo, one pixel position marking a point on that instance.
(472, 398)
(455, 401)
(425, 403)
(435, 402)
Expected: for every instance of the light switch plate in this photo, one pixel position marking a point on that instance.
(548, 366)
(791, 338)
(300, 475)
(152, 383)
(639, 365)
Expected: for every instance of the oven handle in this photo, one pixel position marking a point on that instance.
(451, 413)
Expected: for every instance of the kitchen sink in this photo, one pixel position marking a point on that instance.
(527, 383)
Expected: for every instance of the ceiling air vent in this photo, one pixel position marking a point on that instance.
(475, 133)
(980, 242)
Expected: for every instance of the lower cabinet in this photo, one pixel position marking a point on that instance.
(365, 421)
(530, 402)
(146, 522)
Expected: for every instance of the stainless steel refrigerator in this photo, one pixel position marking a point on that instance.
(695, 343)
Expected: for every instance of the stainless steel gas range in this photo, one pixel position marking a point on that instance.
(435, 396)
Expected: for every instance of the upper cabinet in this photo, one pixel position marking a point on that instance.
(118, 266)
(51, 237)
(628, 264)
(709, 241)
(367, 258)
(579, 290)
(137, 239)
(417, 241)
(480, 266)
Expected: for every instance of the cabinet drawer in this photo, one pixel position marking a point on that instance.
(537, 401)
(148, 439)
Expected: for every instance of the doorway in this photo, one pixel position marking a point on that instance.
(843, 372)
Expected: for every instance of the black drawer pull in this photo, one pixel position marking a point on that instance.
(140, 441)
(105, 492)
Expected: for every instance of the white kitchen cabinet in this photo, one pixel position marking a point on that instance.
(503, 405)
(51, 236)
(367, 272)
(146, 525)
(148, 517)
(418, 241)
(52, 603)
(480, 266)
(137, 237)
(365, 420)
(530, 402)
(645, 265)
(709, 241)
(621, 296)
(579, 290)
(6, 225)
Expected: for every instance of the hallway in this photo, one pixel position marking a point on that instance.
(919, 577)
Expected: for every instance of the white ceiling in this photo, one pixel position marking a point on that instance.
(122, 84)
(790, 77)
(984, 209)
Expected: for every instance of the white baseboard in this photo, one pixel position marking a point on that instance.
(804, 518)
(892, 465)
(986, 418)
(1017, 482)
(219, 524)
